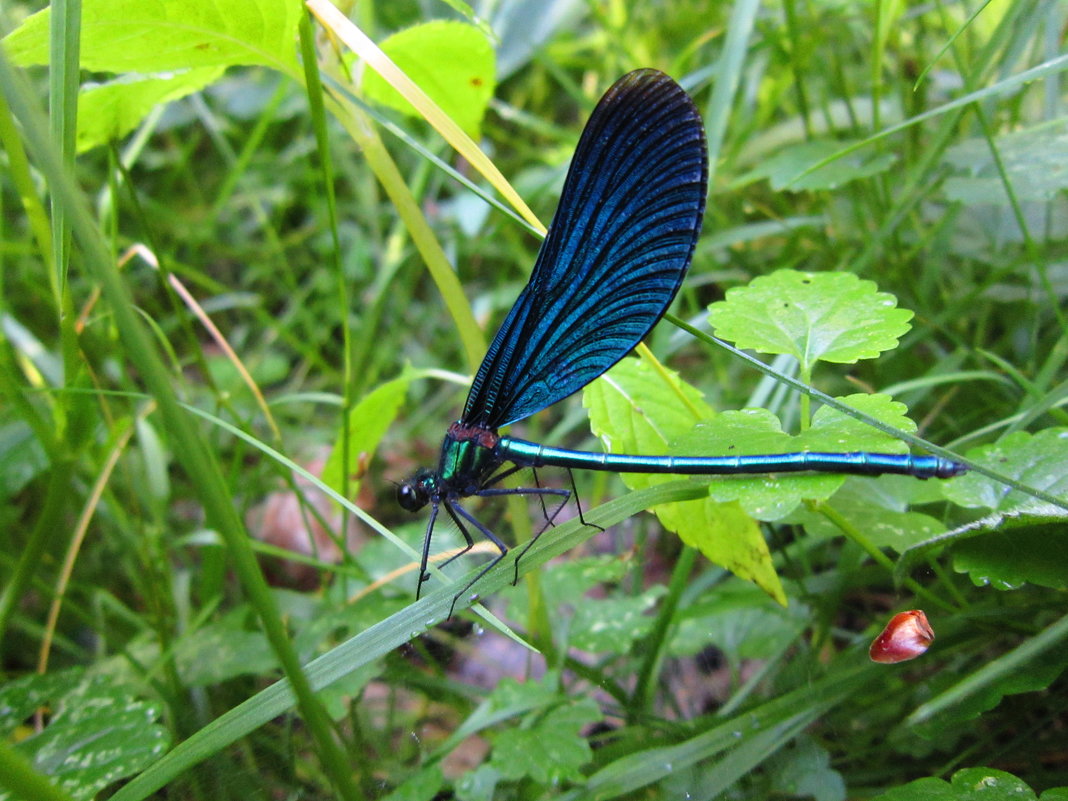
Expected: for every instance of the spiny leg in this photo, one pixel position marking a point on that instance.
(578, 501)
(423, 574)
(541, 496)
(489, 489)
(455, 510)
(566, 495)
(464, 531)
(541, 492)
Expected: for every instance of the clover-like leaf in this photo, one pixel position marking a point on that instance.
(20, 697)
(550, 749)
(831, 317)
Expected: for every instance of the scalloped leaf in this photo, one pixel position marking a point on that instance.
(639, 406)
(790, 162)
(599, 625)
(1038, 460)
(135, 36)
(882, 516)
(969, 784)
(1034, 522)
(831, 317)
(1035, 161)
(551, 749)
(452, 62)
(736, 617)
(1005, 550)
(1011, 557)
(101, 733)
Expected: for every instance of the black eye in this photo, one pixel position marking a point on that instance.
(411, 497)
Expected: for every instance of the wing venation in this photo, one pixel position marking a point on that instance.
(615, 255)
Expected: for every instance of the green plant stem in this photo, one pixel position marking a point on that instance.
(656, 643)
(19, 777)
(995, 671)
(437, 264)
(869, 547)
(53, 519)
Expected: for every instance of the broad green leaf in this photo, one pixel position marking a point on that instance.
(1038, 460)
(804, 770)
(567, 583)
(147, 37)
(107, 112)
(510, 699)
(1013, 556)
(641, 407)
(793, 160)
(738, 619)
(269, 367)
(451, 61)
(1019, 542)
(24, 457)
(884, 519)
(479, 784)
(726, 535)
(100, 733)
(612, 625)
(1001, 675)
(368, 422)
(970, 784)
(1035, 162)
(21, 697)
(549, 747)
(222, 650)
(831, 317)
(599, 625)
(423, 785)
(833, 431)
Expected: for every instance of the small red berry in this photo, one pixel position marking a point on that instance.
(906, 636)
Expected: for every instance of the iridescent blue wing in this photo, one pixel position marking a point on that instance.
(616, 253)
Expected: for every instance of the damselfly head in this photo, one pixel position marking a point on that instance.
(415, 493)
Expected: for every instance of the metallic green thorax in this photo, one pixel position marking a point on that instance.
(468, 458)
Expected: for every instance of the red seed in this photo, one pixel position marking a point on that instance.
(906, 636)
